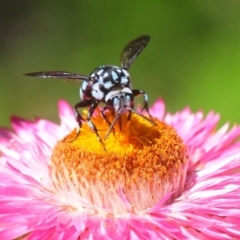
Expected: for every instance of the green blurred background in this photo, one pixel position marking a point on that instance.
(192, 60)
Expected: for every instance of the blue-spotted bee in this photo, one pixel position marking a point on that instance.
(107, 84)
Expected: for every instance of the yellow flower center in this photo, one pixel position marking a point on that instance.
(142, 160)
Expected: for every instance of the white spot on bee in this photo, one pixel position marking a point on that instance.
(125, 73)
(119, 70)
(99, 72)
(105, 75)
(96, 92)
(81, 93)
(84, 85)
(124, 80)
(100, 80)
(113, 93)
(114, 76)
(108, 84)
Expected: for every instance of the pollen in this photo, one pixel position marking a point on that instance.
(139, 158)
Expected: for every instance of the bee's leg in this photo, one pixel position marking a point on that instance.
(112, 124)
(93, 106)
(129, 115)
(78, 116)
(105, 117)
(137, 92)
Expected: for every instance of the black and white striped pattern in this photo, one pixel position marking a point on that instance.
(107, 84)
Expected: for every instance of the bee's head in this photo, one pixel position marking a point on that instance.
(120, 101)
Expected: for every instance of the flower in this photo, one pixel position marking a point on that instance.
(49, 189)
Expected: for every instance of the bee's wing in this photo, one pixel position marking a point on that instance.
(66, 76)
(132, 50)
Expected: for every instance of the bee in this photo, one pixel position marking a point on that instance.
(107, 84)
